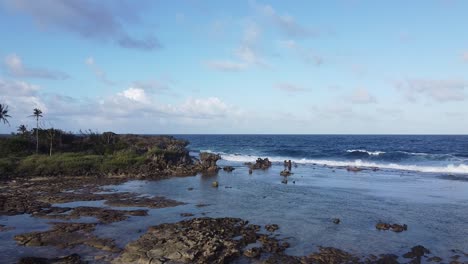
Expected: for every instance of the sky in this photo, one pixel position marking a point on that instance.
(236, 67)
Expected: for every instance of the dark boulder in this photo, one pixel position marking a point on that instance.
(261, 164)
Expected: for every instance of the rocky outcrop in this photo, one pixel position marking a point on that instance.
(261, 164)
(105, 216)
(207, 162)
(394, 227)
(417, 253)
(67, 235)
(199, 240)
(228, 168)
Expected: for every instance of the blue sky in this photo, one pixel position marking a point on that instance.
(344, 66)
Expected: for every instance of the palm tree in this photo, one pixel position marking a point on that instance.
(37, 113)
(22, 129)
(4, 114)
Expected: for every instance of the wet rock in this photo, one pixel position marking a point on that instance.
(4, 228)
(394, 227)
(67, 235)
(386, 259)
(208, 162)
(272, 227)
(228, 168)
(186, 214)
(71, 259)
(20, 203)
(262, 164)
(336, 220)
(198, 240)
(133, 200)
(254, 252)
(434, 259)
(285, 173)
(353, 169)
(284, 181)
(416, 253)
(327, 255)
(215, 184)
(105, 216)
(250, 171)
(190, 189)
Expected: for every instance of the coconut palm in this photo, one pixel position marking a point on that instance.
(37, 113)
(4, 114)
(22, 129)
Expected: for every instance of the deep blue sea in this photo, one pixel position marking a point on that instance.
(423, 153)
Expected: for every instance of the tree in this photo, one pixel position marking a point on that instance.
(4, 114)
(51, 135)
(22, 129)
(37, 113)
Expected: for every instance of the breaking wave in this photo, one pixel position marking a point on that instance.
(449, 169)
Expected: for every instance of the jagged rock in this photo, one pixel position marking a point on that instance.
(228, 168)
(198, 240)
(394, 227)
(416, 253)
(285, 173)
(67, 235)
(208, 161)
(215, 184)
(272, 227)
(262, 164)
(336, 220)
(254, 252)
(329, 255)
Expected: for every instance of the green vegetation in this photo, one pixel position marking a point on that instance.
(29, 152)
(4, 114)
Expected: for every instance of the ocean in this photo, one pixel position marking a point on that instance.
(421, 153)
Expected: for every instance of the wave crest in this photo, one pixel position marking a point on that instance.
(450, 168)
(371, 153)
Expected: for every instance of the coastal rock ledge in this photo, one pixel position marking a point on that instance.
(199, 240)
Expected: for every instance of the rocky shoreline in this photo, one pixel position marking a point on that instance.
(195, 240)
(192, 240)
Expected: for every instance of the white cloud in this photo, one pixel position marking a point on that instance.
(438, 90)
(15, 67)
(211, 107)
(286, 24)
(21, 97)
(226, 65)
(100, 74)
(135, 94)
(362, 96)
(246, 54)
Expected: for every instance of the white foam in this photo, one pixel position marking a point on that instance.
(451, 168)
(372, 153)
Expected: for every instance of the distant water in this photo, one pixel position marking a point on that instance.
(424, 153)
